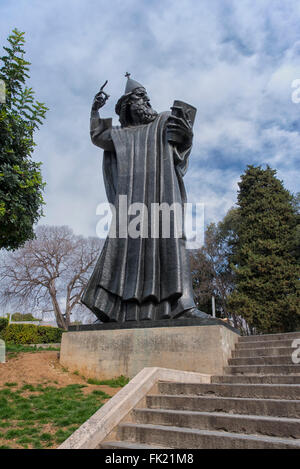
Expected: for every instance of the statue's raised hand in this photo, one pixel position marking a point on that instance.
(100, 98)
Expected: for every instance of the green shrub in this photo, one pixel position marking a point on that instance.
(31, 334)
(3, 326)
(21, 334)
(49, 334)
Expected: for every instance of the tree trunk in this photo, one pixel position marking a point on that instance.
(61, 323)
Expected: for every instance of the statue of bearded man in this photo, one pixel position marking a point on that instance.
(145, 277)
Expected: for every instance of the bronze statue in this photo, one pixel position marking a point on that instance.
(145, 159)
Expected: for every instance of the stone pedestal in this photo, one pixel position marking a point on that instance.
(187, 345)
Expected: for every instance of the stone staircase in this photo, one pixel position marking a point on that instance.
(255, 404)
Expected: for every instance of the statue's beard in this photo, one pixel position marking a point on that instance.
(142, 113)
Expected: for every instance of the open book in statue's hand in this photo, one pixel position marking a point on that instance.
(180, 124)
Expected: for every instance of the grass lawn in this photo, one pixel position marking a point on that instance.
(44, 416)
(38, 407)
(12, 350)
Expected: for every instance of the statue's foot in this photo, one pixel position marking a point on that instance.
(194, 313)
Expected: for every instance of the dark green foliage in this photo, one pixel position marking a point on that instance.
(48, 335)
(23, 317)
(31, 334)
(3, 326)
(296, 205)
(266, 270)
(21, 183)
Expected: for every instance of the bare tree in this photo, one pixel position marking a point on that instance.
(52, 269)
(212, 273)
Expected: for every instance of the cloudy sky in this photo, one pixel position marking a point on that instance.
(234, 60)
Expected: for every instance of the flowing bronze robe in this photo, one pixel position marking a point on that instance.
(141, 278)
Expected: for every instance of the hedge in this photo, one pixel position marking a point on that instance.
(3, 326)
(31, 334)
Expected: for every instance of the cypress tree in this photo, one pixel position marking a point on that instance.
(265, 264)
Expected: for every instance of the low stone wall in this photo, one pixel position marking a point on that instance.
(104, 354)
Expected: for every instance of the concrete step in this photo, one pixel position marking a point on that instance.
(253, 391)
(266, 344)
(271, 426)
(263, 352)
(270, 337)
(281, 360)
(178, 437)
(263, 369)
(127, 445)
(256, 379)
(234, 405)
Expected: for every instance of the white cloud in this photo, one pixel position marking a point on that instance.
(233, 60)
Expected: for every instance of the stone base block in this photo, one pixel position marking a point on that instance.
(105, 354)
